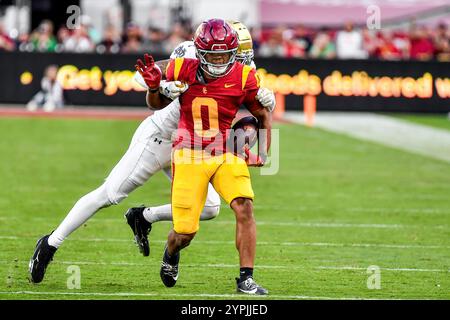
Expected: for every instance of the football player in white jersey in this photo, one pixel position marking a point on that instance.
(149, 152)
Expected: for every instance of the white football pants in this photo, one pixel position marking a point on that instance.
(147, 154)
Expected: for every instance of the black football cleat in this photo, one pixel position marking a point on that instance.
(43, 254)
(169, 272)
(140, 227)
(249, 286)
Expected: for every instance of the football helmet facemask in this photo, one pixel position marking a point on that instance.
(216, 36)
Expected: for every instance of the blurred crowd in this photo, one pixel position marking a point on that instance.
(419, 42)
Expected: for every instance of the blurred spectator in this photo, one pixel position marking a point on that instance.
(42, 39)
(282, 41)
(349, 43)
(51, 94)
(177, 35)
(442, 42)
(132, 41)
(256, 37)
(291, 48)
(371, 41)
(323, 47)
(154, 41)
(299, 44)
(92, 33)
(401, 42)
(22, 42)
(6, 43)
(273, 46)
(110, 42)
(62, 36)
(79, 41)
(387, 49)
(422, 47)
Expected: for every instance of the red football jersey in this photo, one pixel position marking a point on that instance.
(208, 109)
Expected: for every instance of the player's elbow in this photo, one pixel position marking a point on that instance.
(155, 101)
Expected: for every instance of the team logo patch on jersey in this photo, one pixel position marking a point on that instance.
(205, 91)
(180, 51)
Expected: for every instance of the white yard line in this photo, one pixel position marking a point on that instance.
(265, 243)
(185, 295)
(232, 266)
(396, 133)
(309, 224)
(387, 269)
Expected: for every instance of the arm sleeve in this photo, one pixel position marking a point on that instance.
(182, 69)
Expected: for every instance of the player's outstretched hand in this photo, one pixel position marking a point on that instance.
(253, 160)
(149, 71)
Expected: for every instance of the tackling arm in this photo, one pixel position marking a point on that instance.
(167, 91)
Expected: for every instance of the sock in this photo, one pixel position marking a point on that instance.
(174, 259)
(161, 213)
(245, 273)
(164, 213)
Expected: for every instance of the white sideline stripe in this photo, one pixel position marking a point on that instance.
(200, 295)
(323, 224)
(401, 210)
(297, 224)
(220, 265)
(275, 223)
(301, 244)
(388, 269)
(397, 133)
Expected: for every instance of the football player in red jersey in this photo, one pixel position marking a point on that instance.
(217, 87)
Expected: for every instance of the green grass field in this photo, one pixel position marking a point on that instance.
(337, 206)
(437, 121)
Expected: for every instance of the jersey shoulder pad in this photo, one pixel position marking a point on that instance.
(182, 69)
(185, 49)
(250, 79)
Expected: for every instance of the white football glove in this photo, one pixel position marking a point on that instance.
(172, 89)
(267, 98)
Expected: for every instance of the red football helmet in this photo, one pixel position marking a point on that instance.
(216, 36)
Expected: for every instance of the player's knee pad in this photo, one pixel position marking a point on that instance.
(210, 212)
(99, 196)
(114, 194)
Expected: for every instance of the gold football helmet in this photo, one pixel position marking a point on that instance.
(245, 50)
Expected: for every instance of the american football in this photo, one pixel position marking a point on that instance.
(244, 134)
